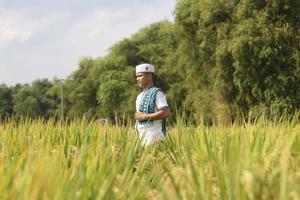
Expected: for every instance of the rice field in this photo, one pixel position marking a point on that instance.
(85, 160)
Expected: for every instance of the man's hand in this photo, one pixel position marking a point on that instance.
(140, 116)
(160, 114)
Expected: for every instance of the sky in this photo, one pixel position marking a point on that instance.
(47, 38)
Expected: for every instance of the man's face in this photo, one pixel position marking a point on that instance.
(143, 79)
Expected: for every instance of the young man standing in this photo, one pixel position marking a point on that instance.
(151, 107)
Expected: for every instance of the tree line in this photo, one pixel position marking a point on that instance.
(218, 59)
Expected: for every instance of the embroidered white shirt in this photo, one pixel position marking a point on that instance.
(151, 133)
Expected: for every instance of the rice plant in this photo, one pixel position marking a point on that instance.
(86, 160)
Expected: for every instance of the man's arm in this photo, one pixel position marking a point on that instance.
(162, 113)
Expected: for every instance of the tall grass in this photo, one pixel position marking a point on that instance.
(84, 160)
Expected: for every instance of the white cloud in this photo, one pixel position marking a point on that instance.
(20, 26)
(14, 27)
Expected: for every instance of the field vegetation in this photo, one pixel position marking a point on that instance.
(86, 160)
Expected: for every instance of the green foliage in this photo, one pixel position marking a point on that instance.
(111, 94)
(80, 90)
(268, 77)
(40, 90)
(25, 104)
(33, 101)
(243, 54)
(6, 106)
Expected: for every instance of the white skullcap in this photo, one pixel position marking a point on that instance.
(144, 68)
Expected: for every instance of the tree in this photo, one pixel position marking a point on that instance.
(40, 90)
(112, 92)
(6, 105)
(33, 100)
(26, 104)
(239, 55)
(80, 90)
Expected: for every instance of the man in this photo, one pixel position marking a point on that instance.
(151, 107)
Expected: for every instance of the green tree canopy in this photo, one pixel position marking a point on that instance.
(6, 105)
